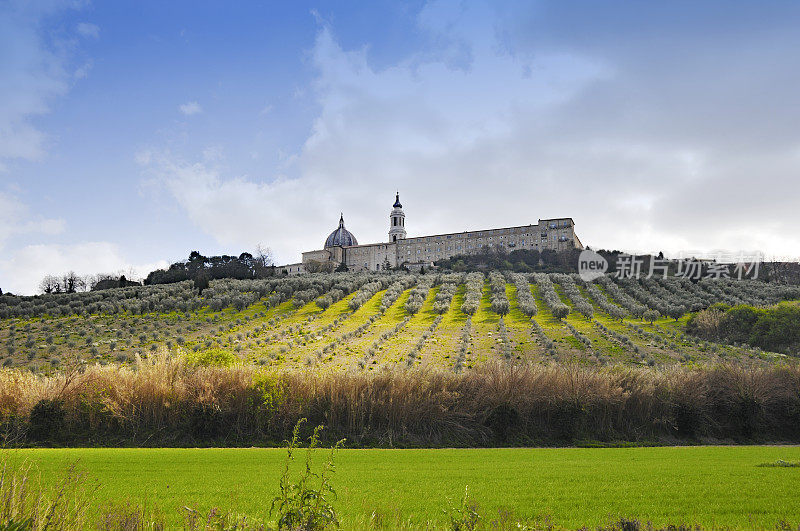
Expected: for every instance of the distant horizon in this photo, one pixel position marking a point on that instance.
(134, 132)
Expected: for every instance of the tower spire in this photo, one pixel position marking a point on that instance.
(397, 220)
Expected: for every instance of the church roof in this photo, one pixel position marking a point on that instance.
(341, 236)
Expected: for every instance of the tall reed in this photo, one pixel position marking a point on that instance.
(164, 400)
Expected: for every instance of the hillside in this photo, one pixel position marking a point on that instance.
(368, 321)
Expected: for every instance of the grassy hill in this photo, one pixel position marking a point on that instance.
(396, 359)
(345, 321)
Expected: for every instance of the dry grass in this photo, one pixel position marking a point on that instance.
(165, 401)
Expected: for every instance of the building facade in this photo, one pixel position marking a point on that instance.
(342, 247)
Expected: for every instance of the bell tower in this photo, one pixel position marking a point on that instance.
(397, 221)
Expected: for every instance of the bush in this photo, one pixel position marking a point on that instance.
(213, 357)
(47, 420)
(776, 328)
(737, 323)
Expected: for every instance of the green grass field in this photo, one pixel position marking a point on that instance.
(711, 486)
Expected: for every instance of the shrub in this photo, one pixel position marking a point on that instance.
(394, 291)
(366, 292)
(737, 323)
(47, 420)
(554, 404)
(775, 328)
(444, 297)
(212, 357)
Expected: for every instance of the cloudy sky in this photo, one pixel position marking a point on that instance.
(132, 133)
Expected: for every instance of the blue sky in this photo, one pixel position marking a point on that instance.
(132, 133)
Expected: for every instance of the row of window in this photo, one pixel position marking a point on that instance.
(469, 247)
(489, 241)
(489, 235)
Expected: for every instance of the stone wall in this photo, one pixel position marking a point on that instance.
(555, 234)
(371, 257)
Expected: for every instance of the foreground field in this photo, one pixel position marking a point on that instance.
(711, 486)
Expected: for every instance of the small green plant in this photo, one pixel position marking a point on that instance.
(306, 504)
(464, 516)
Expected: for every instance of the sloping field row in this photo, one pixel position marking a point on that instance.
(368, 321)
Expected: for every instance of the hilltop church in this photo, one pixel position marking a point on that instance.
(342, 247)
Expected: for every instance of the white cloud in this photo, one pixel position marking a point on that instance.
(190, 108)
(240, 212)
(86, 29)
(22, 270)
(33, 73)
(484, 131)
(16, 220)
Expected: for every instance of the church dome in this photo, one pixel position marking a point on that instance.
(341, 236)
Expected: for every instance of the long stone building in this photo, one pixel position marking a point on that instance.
(341, 246)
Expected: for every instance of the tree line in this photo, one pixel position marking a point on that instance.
(202, 268)
(71, 282)
(197, 267)
(519, 260)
